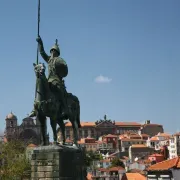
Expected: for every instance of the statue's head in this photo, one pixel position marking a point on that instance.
(55, 50)
(39, 69)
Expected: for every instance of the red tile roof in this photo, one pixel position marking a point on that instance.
(87, 124)
(110, 136)
(133, 176)
(116, 168)
(138, 146)
(165, 165)
(152, 125)
(163, 134)
(127, 124)
(83, 124)
(154, 138)
(127, 139)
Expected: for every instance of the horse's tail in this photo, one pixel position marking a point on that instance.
(78, 115)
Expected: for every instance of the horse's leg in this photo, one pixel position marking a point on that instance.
(75, 130)
(53, 126)
(42, 119)
(62, 127)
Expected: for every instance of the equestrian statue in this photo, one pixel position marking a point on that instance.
(52, 100)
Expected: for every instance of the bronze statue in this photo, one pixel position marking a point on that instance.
(58, 69)
(52, 99)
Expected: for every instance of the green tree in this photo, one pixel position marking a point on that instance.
(13, 160)
(92, 156)
(117, 162)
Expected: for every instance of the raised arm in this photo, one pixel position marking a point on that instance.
(41, 49)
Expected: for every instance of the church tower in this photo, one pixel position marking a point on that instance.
(11, 125)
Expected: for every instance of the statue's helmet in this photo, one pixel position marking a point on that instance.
(56, 47)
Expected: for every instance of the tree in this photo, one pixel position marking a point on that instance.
(117, 162)
(92, 156)
(13, 160)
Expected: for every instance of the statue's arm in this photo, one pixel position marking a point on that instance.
(41, 49)
(43, 53)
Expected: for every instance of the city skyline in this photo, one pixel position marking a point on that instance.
(123, 57)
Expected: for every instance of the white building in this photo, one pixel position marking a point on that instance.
(174, 146)
(158, 141)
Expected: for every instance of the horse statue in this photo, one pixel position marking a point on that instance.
(47, 105)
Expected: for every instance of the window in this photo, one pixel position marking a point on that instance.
(11, 123)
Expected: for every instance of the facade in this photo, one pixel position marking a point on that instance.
(104, 147)
(139, 151)
(111, 139)
(156, 158)
(106, 126)
(153, 142)
(174, 146)
(114, 173)
(89, 144)
(29, 131)
(158, 141)
(151, 129)
(126, 140)
(101, 127)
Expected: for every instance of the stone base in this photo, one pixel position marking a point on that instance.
(58, 163)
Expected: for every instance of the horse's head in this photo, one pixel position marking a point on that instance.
(39, 69)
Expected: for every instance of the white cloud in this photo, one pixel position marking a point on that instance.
(102, 79)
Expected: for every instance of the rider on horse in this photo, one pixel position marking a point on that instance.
(58, 69)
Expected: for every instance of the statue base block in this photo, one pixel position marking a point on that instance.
(58, 163)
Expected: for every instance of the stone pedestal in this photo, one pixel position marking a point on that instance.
(58, 163)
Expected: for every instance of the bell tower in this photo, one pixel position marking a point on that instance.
(11, 125)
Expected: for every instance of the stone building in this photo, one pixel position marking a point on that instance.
(139, 151)
(28, 131)
(151, 129)
(107, 126)
(101, 127)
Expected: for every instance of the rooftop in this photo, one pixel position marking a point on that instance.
(138, 146)
(111, 136)
(154, 138)
(165, 165)
(87, 124)
(133, 176)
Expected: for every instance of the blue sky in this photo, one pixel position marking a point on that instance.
(134, 46)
